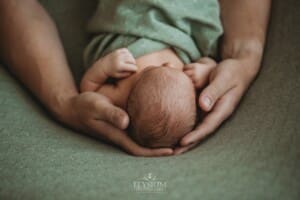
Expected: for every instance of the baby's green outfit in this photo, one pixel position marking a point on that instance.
(191, 28)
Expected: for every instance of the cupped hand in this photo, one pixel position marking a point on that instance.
(94, 114)
(227, 84)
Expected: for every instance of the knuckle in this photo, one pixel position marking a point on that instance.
(101, 103)
(96, 104)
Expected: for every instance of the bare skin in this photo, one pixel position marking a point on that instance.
(121, 65)
(26, 30)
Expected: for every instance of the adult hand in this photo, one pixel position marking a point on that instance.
(227, 84)
(94, 114)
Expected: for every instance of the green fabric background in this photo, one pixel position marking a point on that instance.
(191, 28)
(254, 155)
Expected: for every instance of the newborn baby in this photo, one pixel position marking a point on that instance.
(156, 90)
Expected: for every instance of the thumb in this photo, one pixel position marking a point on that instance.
(93, 77)
(108, 112)
(218, 86)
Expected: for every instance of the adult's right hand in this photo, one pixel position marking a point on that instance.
(94, 114)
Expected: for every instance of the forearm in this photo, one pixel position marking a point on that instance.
(245, 26)
(31, 48)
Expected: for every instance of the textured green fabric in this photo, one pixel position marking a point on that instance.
(191, 28)
(254, 155)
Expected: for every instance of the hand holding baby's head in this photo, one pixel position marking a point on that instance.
(161, 107)
(160, 100)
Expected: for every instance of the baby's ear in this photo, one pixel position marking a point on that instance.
(167, 64)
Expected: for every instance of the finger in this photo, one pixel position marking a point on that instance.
(108, 112)
(121, 139)
(129, 67)
(201, 76)
(92, 78)
(190, 72)
(222, 110)
(183, 149)
(130, 59)
(127, 55)
(220, 85)
(123, 74)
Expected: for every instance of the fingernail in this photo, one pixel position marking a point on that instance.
(185, 143)
(124, 121)
(207, 102)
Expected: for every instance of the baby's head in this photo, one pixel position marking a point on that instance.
(161, 107)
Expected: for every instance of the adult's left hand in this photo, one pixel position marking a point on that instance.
(227, 84)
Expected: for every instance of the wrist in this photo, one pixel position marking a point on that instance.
(249, 52)
(240, 48)
(61, 107)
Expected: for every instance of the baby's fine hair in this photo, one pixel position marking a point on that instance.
(161, 107)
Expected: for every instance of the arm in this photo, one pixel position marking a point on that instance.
(245, 27)
(31, 48)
